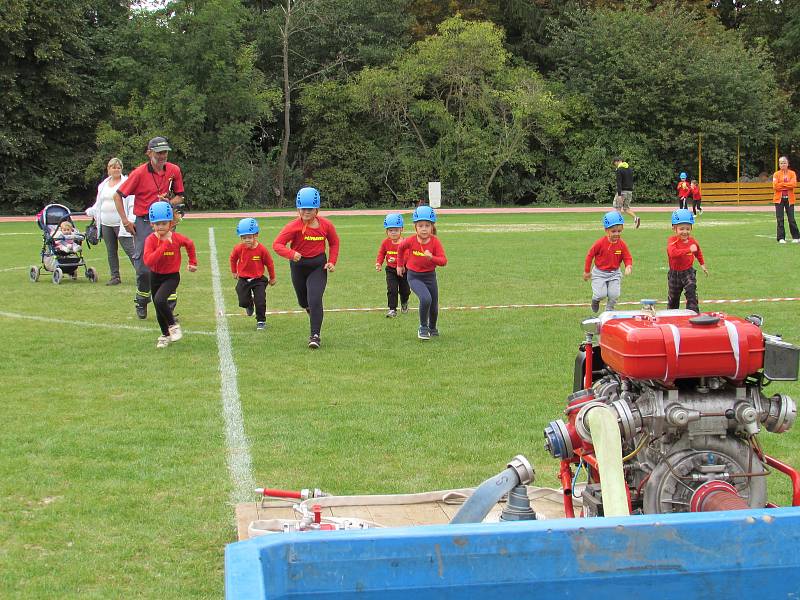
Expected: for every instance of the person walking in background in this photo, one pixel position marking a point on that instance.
(302, 241)
(682, 250)
(784, 182)
(104, 212)
(249, 260)
(162, 255)
(694, 191)
(154, 181)
(396, 285)
(607, 253)
(624, 196)
(683, 192)
(419, 255)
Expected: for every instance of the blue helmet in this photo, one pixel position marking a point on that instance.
(682, 215)
(248, 226)
(308, 197)
(160, 211)
(683, 175)
(393, 220)
(423, 213)
(612, 218)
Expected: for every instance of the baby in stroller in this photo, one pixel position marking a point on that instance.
(67, 239)
(62, 252)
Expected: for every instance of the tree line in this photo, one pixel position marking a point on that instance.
(503, 101)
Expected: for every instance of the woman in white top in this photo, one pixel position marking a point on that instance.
(104, 212)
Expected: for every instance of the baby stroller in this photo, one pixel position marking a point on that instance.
(60, 257)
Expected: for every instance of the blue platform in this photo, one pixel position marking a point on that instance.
(742, 554)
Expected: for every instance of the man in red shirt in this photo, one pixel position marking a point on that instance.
(150, 182)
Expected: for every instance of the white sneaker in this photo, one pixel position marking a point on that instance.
(163, 341)
(175, 333)
(796, 241)
(781, 241)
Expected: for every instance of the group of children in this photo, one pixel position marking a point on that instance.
(609, 252)
(689, 190)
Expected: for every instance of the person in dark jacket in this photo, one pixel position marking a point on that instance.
(624, 195)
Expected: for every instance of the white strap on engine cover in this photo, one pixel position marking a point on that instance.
(733, 336)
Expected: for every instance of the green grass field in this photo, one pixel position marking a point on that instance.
(114, 476)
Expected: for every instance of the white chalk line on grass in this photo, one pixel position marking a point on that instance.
(239, 460)
(119, 326)
(499, 306)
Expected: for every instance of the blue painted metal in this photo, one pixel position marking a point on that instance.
(688, 556)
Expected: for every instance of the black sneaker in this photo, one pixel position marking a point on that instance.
(250, 310)
(404, 308)
(637, 222)
(141, 310)
(391, 313)
(314, 342)
(424, 333)
(433, 331)
(114, 281)
(595, 305)
(261, 326)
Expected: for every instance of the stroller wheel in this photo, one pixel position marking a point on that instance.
(34, 274)
(91, 274)
(57, 275)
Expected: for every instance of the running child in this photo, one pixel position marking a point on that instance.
(302, 241)
(607, 253)
(694, 190)
(682, 249)
(395, 283)
(683, 192)
(248, 260)
(162, 255)
(418, 256)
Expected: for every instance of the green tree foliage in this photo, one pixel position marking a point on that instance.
(52, 88)
(645, 84)
(190, 75)
(460, 113)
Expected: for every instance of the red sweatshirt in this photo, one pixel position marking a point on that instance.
(683, 190)
(680, 257)
(249, 263)
(164, 257)
(695, 189)
(411, 254)
(388, 250)
(309, 242)
(607, 256)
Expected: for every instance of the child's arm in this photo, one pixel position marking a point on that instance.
(437, 256)
(401, 257)
(587, 264)
(333, 247)
(380, 257)
(151, 250)
(191, 253)
(675, 248)
(267, 258)
(627, 259)
(695, 248)
(234, 260)
(285, 237)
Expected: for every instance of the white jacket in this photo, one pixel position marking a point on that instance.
(127, 202)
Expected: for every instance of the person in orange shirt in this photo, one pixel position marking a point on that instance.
(783, 182)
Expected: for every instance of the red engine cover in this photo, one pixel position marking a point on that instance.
(674, 347)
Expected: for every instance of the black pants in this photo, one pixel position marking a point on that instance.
(782, 206)
(682, 281)
(162, 286)
(253, 293)
(309, 280)
(396, 285)
(696, 206)
(683, 202)
(426, 288)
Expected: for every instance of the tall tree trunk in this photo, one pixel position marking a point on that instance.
(280, 175)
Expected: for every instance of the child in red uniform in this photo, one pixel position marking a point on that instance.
(607, 253)
(419, 255)
(302, 241)
(682, 249)
(248, 262)
(395, 284)
(683, 192)
(694, 191)
(162, 255)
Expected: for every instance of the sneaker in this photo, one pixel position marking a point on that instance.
(404, 308)
(796, 241)
(433, 331)
(391, 313)
(595, 305)
(141, 310)
(163, 341)
(314, 342)
(250, 310)
(175, 333)
(781, 241)
(637, 222)
(424, 333)
(261, 326)
(114, 281)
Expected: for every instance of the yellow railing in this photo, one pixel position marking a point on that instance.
(737, 193)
